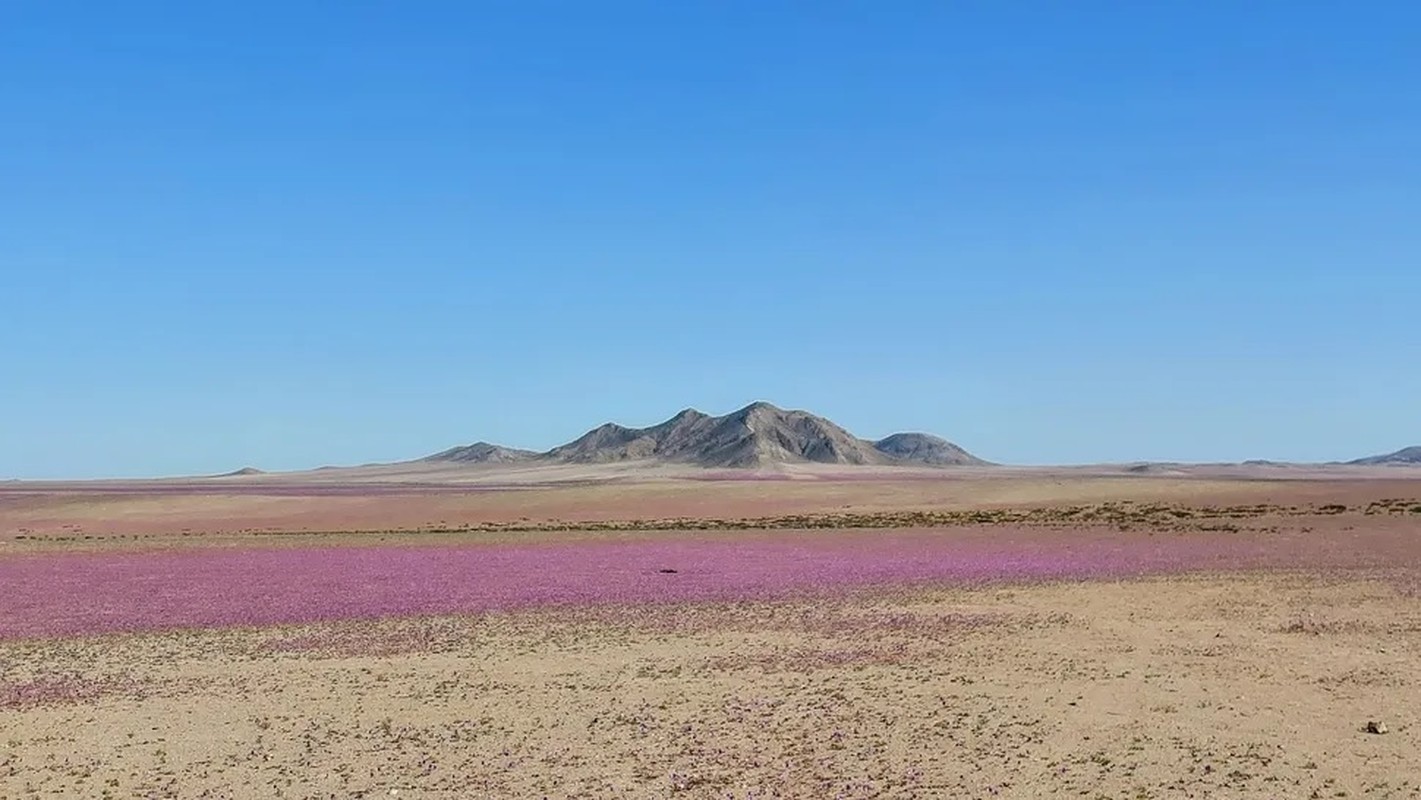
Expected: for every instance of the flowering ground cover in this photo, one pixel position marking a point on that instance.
(63, 594)
(884, 643)
(1254, 685)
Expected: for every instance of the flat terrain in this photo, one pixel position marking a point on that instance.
(937, 634)
(1240, 686)
(410, 499)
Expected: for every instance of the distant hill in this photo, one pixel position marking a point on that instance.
(1404, 456)
(925, 448)
(482, 453)
(242, 473)
(757, 435)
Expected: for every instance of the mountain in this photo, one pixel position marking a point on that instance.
(756, 435)
(241, 473)
(925, 449)
(1404, 456)
(482, 453)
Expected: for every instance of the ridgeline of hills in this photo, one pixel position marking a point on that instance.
(757, 435)
(761, 435)
(1403, 457)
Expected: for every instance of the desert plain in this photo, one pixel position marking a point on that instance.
(811, 631)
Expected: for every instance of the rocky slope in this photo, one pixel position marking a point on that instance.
(1404, 456)
(925, 448)
(757, 435)
(482, 453)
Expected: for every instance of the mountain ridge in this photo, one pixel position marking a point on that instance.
(481, 453)
(759, 434)
(1404, 456)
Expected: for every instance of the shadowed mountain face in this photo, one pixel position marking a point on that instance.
(757, 435)
(926, 449)
(482, 453)
(1408, 455)
(242, 473)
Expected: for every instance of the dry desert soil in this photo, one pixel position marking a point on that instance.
(933, 634)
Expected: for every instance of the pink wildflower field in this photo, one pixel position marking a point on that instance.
(64, 594)
(1148, 650)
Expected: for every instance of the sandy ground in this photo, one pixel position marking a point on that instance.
(1254, 678)
(1209, 686)
(295, 503)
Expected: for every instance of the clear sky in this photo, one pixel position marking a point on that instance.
(292, 234)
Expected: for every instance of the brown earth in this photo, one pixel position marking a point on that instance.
(384, 499)
(1244, 684)
(1210, 686)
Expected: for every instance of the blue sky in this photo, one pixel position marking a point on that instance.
(293, 234)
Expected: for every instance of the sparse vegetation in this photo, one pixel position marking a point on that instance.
(1161, 517)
